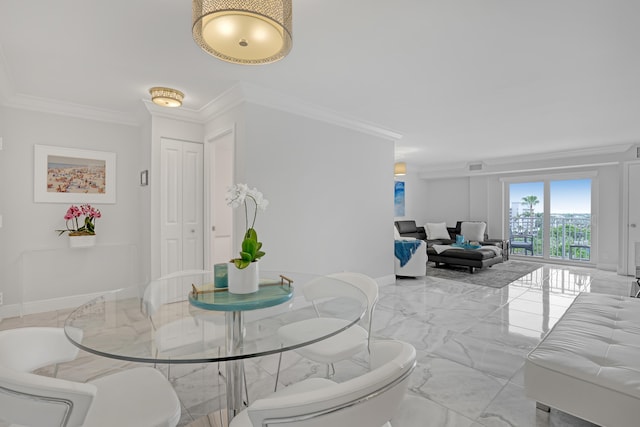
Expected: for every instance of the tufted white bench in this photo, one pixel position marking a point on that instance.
(588, 365)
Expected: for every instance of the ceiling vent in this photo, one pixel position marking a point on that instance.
(474, 167)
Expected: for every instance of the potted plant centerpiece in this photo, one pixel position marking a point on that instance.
(85, 234)
(243, 273)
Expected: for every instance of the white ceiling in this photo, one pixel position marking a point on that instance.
(456, 78)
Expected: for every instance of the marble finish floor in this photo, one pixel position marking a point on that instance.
(471, 342)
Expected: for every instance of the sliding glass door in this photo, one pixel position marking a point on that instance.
(570, 220)
(551, 219)
(526, 219)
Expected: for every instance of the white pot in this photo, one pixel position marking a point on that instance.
(82, 241)
(245, 280)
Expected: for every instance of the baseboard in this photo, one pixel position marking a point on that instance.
(607, 267)
(52, 304)
(386, 280)
(9, 310)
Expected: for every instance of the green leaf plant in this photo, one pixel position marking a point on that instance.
(238, 195)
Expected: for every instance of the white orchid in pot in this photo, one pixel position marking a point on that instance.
(241, 195)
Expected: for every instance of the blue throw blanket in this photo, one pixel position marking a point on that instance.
(404, 249)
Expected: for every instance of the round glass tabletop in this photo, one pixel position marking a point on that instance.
(157, 323)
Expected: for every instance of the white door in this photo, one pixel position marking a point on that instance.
(219, 154)
(181, 202)
(634, 217)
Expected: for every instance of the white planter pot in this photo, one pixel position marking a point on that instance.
(82, 241)
(245, 280)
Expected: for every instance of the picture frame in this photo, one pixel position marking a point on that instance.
(70, 175)
(398, 199)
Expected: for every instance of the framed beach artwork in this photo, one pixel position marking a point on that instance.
(69, 175)
(398, 200)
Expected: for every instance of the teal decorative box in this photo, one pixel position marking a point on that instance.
(220, 277)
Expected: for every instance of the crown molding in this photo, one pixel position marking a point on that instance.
(246, 92)
(557, 160)
(179, 113)
(566, 154)
(227, 100)
(292, 105)
(44, 105)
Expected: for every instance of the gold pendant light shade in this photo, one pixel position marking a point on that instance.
(400, 168)
(243, 32)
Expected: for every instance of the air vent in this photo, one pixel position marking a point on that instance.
(477, 166)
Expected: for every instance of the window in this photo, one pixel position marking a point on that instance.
(551, 218)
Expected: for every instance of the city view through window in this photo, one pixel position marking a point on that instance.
(569, 226)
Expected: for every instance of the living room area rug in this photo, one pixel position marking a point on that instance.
(497, 276)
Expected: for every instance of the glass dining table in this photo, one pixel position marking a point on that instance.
(186, 319)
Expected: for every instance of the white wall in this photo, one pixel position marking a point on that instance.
(330, 191)
(448, 201)
(29, 226)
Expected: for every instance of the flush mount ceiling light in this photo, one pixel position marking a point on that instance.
(166, 97)
(243, 31)
(400, 168)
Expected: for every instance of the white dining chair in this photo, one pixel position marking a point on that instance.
(188, 334)
(139, 397)
(371, 399)
(348, 342)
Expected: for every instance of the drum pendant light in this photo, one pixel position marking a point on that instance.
(243, 31)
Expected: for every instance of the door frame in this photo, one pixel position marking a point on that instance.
(627, 268)
(209, 196)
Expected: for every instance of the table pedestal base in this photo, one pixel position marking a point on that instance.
(214, 419)
(234, 368)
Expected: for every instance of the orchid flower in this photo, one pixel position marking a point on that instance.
(238, 195)
(73, 213)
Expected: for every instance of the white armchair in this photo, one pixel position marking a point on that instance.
(410, 257)
(139, 396)
(371, 399)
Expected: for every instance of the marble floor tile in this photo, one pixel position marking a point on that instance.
(423, 335)
(523, 319)
(471, 343)
(417, 411)
(462, 389)
(511, 408)
(485, 355)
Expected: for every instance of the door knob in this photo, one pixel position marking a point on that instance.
(632, 225)
(193, 231)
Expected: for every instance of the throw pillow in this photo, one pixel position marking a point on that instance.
(436, 230)
(473, 231)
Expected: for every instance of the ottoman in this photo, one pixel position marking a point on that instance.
(588, 365)
(486, 256)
